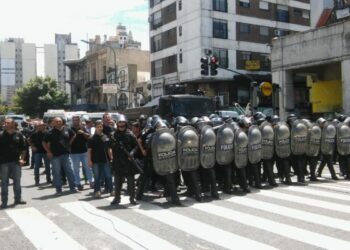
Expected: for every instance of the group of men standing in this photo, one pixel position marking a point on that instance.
(205, 154)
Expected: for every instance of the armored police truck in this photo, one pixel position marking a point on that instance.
(170, 106)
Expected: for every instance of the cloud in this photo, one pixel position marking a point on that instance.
(37, 21)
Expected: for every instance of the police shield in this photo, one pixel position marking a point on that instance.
(267, 144)
(343, 139)
(254, 144)
(187, 149)
(207, 141)
(299, 137)
(241, 148)
(224, 144)
(282, 140)
(314, 140)
(328, 138)
(164, 152)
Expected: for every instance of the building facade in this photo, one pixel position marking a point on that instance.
(17, 66)
(109, 62)
(312, 67)
(55, 55)
(238, 33)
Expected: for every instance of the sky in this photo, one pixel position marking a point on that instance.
(37, 21)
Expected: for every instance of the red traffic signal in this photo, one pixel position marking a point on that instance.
(213, 65)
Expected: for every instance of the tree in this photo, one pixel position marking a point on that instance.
(39, 95)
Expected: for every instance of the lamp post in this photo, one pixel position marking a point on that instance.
(114, 56)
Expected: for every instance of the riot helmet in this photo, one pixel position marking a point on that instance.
(122, 118)
(341, 117)
(217, 121)
(180, 121)
(194, 120)
(320, 121)
(275, 119)
(291, 118)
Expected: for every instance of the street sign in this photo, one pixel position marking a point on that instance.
(266, 88)
(252, 64)
(109, 88)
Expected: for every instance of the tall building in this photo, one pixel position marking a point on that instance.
(56, 54)
(98, 67)
(18, 66)
(238, 33)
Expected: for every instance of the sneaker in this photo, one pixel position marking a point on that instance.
(91, 185)
(20, 202)
(80, 187)
(97, 194)
(3, 205)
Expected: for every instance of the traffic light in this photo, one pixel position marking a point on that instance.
(213, 65)
(204, 66)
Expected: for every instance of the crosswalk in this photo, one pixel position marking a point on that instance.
(314, 216)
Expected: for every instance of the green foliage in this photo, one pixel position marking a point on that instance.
(39, 95)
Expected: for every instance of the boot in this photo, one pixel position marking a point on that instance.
(332, 171)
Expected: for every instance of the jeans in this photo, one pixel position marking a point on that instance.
(102, 171)
(38, 160)
(62, 162)
(14, 170)
(76, 159)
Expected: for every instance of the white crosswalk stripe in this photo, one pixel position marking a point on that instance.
(252, 212)
(318, 192)
(43, 233)
(292, 213)
(330, 187)
(302, 235)
(306, 201)
(117, 228)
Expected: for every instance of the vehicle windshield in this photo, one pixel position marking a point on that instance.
(193, 107)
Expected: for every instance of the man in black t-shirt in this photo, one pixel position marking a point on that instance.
(12, 157)
(79, 152)
(39, 153)
(57, 145)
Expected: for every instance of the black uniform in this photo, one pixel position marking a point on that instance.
(122, 166)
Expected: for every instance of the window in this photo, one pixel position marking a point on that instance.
(220, 28)
(242, 95)
(244, 28)
(157, 43)
(263, 5)
(158, 67)
(222, 55)
(244, 3)
(180, 4)
(180, 30)
(246, 56)
(306, 14)
(265, 61)
(297, 12)
(157, 19)
(282, 13)
(220, 5)
(180, 56)
(264, 31)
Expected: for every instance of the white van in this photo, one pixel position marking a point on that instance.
(52, 113)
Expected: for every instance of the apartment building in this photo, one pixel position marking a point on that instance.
(17, 66)
(238, 33)
(56, 54)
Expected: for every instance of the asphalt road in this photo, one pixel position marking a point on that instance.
(311, 216)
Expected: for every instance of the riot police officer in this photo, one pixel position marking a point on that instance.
(125, 145)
